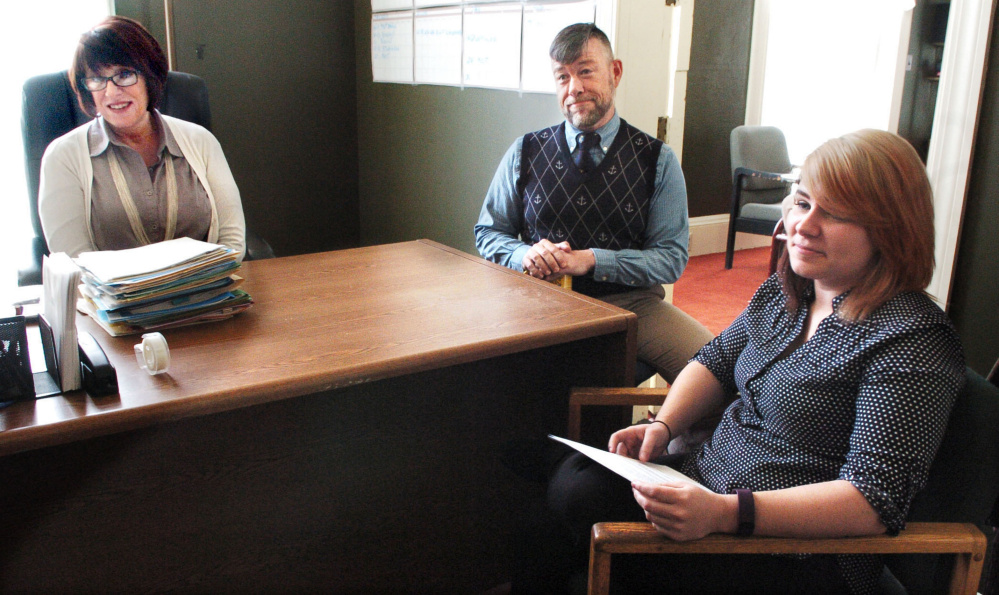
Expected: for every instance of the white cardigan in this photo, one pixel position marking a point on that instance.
(67, 179)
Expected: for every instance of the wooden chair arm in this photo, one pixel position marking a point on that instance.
(964, 540)
(579, 397)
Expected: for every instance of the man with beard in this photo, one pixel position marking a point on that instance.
(599, 200)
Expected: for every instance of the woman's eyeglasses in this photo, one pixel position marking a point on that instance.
(125, 78)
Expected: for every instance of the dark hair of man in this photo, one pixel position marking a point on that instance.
(570, 42)
(118, 41)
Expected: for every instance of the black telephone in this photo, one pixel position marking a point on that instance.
(99, 376)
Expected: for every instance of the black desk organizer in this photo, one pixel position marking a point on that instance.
(17, 383)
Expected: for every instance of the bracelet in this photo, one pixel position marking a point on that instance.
(747, 512)
(665, 425)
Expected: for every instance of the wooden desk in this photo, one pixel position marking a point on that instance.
(341, 435)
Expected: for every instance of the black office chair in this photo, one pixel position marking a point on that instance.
(990, 573)
(49, 110)
(761, 173)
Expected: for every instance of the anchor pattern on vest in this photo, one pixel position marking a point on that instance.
(607, 208)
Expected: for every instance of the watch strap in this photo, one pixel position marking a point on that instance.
(747, 512)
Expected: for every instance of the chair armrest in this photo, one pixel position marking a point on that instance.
(755, 173)
(917, 538)
(964, 540)
(30, 272)
(578, 397)
(760, 180)
(257, 247)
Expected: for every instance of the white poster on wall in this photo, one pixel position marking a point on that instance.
(492, 45)
(392, 47)
(541, 23)
(383, 5)
(437, 43)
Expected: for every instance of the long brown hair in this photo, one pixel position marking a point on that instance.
(118, 41)
(876, 179)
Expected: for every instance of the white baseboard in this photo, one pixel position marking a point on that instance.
(708, 236)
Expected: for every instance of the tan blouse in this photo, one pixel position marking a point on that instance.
(148, 188)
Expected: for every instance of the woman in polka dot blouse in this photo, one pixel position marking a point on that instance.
(844, 371)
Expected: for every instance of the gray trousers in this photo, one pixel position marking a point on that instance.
(667, 336)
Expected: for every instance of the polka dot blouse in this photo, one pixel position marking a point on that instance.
(866, 402)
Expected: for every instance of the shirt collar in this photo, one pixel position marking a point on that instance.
(839, 299)
(607, 133)
(809, 297)
(100, 136)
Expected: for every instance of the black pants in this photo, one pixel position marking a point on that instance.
(581, 492)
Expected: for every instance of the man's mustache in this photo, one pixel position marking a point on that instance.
(572, 100)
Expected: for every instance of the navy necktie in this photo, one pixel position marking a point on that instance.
(586, 143)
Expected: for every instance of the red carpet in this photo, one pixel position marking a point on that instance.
(715, 296)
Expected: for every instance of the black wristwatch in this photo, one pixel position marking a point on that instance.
(747, 512)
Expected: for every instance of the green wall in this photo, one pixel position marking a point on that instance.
(427, 153)
(281, 80)
(716, 101)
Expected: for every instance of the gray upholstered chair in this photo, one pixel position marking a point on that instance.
(761, 178)
(49, 109)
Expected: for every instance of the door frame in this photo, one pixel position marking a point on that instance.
(955, 120)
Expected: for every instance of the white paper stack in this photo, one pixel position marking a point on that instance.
(159, 286)
(60, 278)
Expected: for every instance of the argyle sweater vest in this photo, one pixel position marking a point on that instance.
(608, 208)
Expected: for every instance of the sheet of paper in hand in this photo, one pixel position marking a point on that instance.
(631, 469)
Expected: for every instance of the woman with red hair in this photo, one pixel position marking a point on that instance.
(843, 374)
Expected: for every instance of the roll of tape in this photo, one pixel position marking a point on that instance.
(153, 354)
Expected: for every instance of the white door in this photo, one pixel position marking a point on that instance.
(653, 41)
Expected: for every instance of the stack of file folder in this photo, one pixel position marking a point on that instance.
(160, 286)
